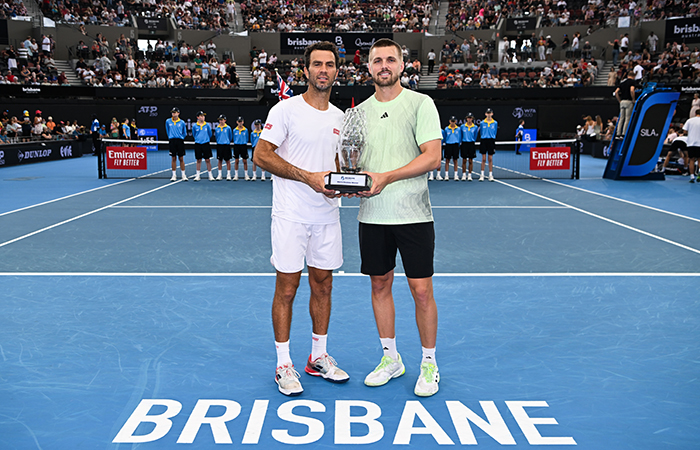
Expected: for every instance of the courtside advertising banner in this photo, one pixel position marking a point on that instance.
(149, 134)
(129, 158)
(683, 31)
(550, 158)
(295, 43)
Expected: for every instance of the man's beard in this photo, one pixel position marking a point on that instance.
(393, 79)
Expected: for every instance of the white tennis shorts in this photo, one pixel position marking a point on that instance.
(321, 245)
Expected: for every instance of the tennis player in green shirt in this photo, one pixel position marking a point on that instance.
(403, 145)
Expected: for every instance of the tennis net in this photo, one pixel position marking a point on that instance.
(524, 159)
(144, 158)
(512, 159)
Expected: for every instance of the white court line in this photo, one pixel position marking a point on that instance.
(84, 215)
(67, 196)
(614, 222)
(190, 206)
(84, 192)
(268, 207)
(343, 274)
(623, 200)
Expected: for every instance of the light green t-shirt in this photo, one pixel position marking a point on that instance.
(395, 130)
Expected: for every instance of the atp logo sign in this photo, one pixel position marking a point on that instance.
(152, 111)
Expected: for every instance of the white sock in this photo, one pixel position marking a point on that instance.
(174, 173)
(482, 173)
(198, 173)
(429, 355)
(389, 347)
(283, 353)
(318, 345)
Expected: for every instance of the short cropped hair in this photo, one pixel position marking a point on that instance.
(323, 45)
(386, 42)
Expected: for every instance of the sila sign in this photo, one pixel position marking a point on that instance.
(366, 414)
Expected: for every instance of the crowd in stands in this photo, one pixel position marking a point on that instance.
(26, 128)
(165, 64)
(676, 64)
(473, 15)
(97, 12)
(195, 15)
(31, 63)
(351, 72)
(332, 16)
(663, 9)
(12, 8)
(475, 57)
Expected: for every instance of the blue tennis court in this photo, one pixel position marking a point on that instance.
(136, 314)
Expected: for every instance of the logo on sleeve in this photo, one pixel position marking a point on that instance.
(268, 126)
(336, 131)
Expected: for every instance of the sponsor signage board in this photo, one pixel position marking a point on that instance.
(550, 158)
(683, 31)
(149, 134)
(126, 158)
(15, 154)
(521, 24)
(295, 43)
(151, 24)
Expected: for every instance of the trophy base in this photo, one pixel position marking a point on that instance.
(348, 183)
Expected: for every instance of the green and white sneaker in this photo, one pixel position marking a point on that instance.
(428, 380)
(387, 369)
(287, 379)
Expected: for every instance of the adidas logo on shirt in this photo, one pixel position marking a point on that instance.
(385, 115)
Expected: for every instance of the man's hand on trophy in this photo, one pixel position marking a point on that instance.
(379, 181)
(317, 182)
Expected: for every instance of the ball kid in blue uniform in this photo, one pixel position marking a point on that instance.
(240, 147)
(201, 131)
(177, 131)
(519, 135)
(451, 138)
(224, 136)
(487, 131)
(254, 136)
(468, 146)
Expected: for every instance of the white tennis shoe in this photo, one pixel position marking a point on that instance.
(325, 366)
(287, 379)
(387, 369)
(428, 380)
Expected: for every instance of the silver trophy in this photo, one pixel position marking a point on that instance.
(349, 151)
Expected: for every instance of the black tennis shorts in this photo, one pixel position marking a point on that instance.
(678, 146)
(177, 147)
(468, 150)
(487, 146)
(451, 151)
(223, 151)
(202, 151)
(240, 151)
(415, 241)
(693, 152)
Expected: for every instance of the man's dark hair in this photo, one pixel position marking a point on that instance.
(386, 42)
(323, 45)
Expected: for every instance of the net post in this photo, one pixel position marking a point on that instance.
(577, 160)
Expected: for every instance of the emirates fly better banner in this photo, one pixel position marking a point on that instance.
(133, 158)
(550, 158)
